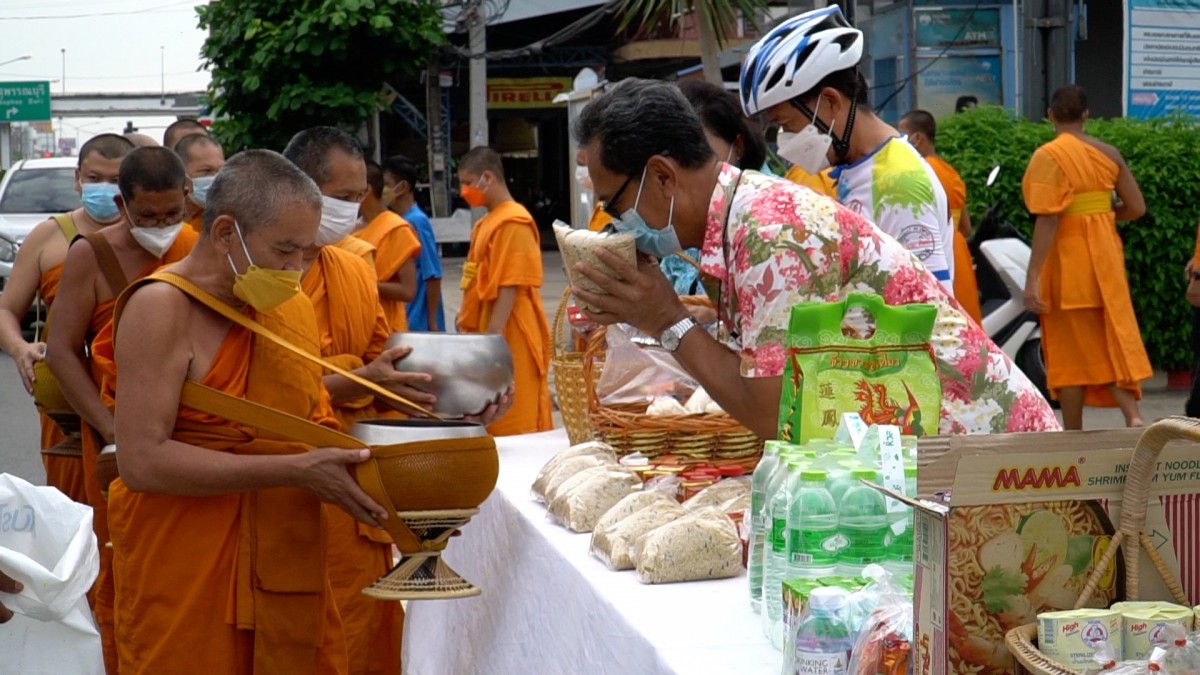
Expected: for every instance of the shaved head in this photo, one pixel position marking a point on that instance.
(922, 122)
(255, 186)
(1069, 104)
(141, 140)
(481, 159)
(108, 146)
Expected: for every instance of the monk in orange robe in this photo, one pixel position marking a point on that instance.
(500, 289)
(36, 272)
(202, 158)
(353, 330)
(219, 528)
(1076, 279)
(396, 246)
(921, 129)
(152, 199)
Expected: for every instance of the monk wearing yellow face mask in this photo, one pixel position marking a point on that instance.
(500, 289)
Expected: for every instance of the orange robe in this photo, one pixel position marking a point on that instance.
(233, 583)
(353, 330)
(505, 251)
(395, 243)
(1090, 333)
(821, 183)
(358, 247)
(102, 371)
(64, 472)
(966, 290)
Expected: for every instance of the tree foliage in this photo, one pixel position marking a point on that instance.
(715, 19)
(1160, 153)
(279, 67)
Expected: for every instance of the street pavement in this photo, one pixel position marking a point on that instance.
(19, 422)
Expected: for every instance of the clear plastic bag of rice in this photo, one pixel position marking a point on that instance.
(718, 493)
(700, 545)
(594, 450)
(614, 545)
(739, 504)
(581, 500)
(631, 504)
(580, 246)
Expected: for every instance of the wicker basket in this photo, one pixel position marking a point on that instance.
(629, 429)
(1130, 538)
(569, 384)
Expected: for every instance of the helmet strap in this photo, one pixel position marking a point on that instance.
(841, 146)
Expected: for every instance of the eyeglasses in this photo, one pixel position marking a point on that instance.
(610, 205)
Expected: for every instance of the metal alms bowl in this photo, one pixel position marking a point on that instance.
(470, 371)
(392, 431)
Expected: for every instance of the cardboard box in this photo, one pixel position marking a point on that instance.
(1022, 509)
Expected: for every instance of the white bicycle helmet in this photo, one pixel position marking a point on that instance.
(796, 55)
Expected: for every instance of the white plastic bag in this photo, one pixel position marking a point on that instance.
(47, 544)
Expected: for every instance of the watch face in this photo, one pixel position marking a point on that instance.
(670, 341)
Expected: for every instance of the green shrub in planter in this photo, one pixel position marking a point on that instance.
(1164, 156)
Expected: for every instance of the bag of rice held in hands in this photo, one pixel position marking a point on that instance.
(580, 246)
(701, 545)
(579, 505)
(614, 546)
(718, 493)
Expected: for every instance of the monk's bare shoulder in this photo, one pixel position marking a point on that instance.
(42, 233)
(1108, 150)
(157, 304)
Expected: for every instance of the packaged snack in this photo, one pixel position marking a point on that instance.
(629, 505)
(701, 545)
(718, 493)
(547, 483)
(614, 546)
(595, 449)
(580, 246)
(582, 499)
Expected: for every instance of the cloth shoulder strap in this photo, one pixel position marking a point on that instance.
(215, 304)
(106, 257)
(67, 225)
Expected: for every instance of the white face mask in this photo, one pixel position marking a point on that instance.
(337, 220)
(156, 240)
(808, 149)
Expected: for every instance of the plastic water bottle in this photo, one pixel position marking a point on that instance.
(812, 539)
(823, 640)
(775, 549)
(900, 561)
(864, 525)
(758, 500)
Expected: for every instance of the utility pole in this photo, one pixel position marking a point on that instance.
(438, 195)
(477, 33)
(64, 74)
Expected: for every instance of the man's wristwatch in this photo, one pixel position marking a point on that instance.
(671, 337)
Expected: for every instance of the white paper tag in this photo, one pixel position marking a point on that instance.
(851, 430)
(882, 444)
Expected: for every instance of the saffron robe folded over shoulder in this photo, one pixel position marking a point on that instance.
(64, 472)
(233, 583)
(352, 327)
(1090, 334)
(966, 289)
(395, 244)
(505, 251)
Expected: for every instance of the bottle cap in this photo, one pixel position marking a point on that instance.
(813, 475)
(864, 474)
(827, 599)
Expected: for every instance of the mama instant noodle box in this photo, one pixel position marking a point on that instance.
(1073, 637)
(1145, 622)
(1011, 526)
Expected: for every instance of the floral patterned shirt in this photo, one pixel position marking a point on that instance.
(782, 244)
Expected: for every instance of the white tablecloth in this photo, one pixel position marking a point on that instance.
(548, 607)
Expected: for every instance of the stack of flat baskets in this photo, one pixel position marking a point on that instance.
(1130, 539)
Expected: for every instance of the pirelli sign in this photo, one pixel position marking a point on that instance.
(526, 92)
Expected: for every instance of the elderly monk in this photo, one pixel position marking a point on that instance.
(1076, 279)
(152, 197)
(352, 330)
(397, 248)
(202, 158)
(921, 129)
(500, 288)
(37, 271)
(217, 527)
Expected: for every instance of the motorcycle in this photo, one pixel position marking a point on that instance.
(1002, 255)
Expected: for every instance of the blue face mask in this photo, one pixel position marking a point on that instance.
(200, 185)
(98, 201)
(651, 241)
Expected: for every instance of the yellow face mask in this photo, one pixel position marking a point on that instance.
(262, 289)
(388, 196)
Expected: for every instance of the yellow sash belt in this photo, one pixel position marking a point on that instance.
(1090, 203)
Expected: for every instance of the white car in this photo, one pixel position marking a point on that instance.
(32, 191)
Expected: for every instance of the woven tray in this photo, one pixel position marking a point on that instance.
(1130, 539)
(569, 384)
(629, 429)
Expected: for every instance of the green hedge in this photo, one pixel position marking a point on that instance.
(1164, 156)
